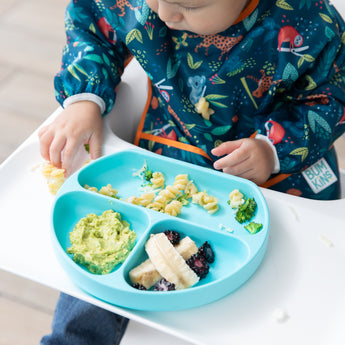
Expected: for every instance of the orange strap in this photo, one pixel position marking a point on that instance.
(177, 144)
(274, 180)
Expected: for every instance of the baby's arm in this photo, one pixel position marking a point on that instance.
(252, 159)
(80, 123)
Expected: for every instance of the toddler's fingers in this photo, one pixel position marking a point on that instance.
(56, 147)
(235, 158)
(69, 153)
(95, 145)
(45, 139)
(226, 148)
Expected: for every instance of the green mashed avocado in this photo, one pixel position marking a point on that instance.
(101, 242)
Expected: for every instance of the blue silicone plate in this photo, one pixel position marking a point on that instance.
(238, 253)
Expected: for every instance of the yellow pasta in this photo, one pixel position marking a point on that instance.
(91, 189)
(235, 198)
(107, 190)
(133, 200)
(55, 176)
(145, 199)
(158, 204)
(202, 108)
(190, 189)
(157, 180)
(208, 202)
(181, 181)
(173, 208)
(169, 193)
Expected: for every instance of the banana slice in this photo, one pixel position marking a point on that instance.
(146, 274)
(169, 263)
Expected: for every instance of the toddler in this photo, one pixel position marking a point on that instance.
(253, 88)
(270, 74)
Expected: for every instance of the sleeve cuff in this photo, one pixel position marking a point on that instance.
(85, 97)
(276, 168)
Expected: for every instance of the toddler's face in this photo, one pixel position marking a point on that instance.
(203, 17)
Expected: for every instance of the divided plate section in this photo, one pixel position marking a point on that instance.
(118, 170)
(231, 253)
(72, 206)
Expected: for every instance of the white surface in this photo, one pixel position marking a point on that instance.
(302, 276)
(300, 273)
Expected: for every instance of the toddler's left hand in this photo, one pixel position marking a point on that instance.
(252, 159)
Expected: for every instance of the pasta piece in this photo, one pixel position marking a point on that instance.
(145, 199)
(92, 189)
(108, 190)
(202, 108)
(158, 204)
(55, 176)
(169, 193)
(133, 200)
(208, 202)
(181, 181)
(173, 208)
(190, 189)
(235, 198)
(157, 180)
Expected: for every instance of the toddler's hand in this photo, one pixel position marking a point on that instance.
(80, 123)
(252, 159)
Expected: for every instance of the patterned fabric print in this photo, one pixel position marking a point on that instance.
(279, 72)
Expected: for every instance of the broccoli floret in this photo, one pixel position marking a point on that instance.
(147, 175)
(253, 227)
(246, 211)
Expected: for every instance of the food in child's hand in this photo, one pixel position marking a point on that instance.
(101, 242)
(55, 176)
(172, 264)
(146, 274)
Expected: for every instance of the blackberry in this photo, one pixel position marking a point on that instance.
(164, 285)
(199, 265)
(173, 236)
(138, 286)
(206, 251)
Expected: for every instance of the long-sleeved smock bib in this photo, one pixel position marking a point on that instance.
(277, 73)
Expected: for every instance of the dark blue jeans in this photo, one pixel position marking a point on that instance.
(80, 323)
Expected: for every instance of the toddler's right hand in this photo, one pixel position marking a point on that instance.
(79, 124)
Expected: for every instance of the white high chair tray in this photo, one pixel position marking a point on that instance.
(295, 297)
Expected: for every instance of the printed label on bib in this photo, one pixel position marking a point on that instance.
(319, 176)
